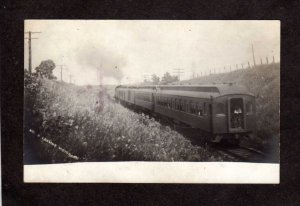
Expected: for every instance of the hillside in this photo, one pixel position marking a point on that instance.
(264, 82)
(68, 123)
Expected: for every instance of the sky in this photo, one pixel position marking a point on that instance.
(127, 51)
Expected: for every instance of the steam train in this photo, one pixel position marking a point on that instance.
(223, 111)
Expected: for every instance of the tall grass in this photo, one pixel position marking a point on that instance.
(68, 116)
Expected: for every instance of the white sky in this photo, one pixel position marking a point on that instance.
(126, 50)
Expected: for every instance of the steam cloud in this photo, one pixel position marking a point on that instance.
(109, 63)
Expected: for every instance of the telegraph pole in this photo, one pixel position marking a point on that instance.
(253, 56)
(61, 68)
(179, 72)
(29, 48)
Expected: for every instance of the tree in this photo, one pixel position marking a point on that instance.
(155, 79)
(167, 78)
(45, 69)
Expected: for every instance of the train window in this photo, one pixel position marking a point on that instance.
(179, 105)
(220, 109)
(236, 113)
(187, 106)
(204, 108)
(173, 103)
(176, 104)
(184, 106)
(249, 108)
(192, 106)
(199, 109)
(169, 102)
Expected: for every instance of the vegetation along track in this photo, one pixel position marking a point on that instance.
(229, 152)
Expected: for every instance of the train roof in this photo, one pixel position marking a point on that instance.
(190, 90)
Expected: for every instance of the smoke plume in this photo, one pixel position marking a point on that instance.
(108, 62)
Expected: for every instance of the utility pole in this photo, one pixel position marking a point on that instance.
(253, 56)
(61, 68)
(179, 72)
(70, 78)
(29, 48)
(99, 74)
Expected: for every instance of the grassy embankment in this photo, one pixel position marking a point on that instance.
(64, 124)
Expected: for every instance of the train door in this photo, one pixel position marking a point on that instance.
(219, 116)
(236, 117)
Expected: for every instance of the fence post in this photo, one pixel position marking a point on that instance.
(273, 59)
(261, 61)
(267, 60)
(248, 64)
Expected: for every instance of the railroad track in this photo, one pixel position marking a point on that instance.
(241, 153)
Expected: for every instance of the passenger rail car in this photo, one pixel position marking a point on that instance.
(225, 111)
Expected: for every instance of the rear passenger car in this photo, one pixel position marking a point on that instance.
(225, 111)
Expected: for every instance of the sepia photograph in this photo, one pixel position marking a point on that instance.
(151, 101)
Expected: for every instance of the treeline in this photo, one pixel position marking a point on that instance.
(167, 78)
